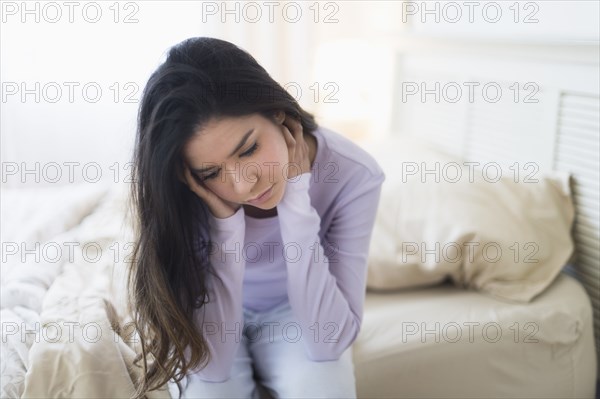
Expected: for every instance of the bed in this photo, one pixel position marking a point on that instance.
(65, 332)
(60, 314)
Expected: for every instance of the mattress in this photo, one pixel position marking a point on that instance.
(444, 341)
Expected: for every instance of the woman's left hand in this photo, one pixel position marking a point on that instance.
(298, 150)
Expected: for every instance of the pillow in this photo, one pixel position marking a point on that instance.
(487, 229)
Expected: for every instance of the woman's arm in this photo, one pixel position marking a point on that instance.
(326, 287)
(221, 319)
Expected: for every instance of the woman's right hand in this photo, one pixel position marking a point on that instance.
(219, 207)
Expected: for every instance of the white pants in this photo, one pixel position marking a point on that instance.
(276, 362)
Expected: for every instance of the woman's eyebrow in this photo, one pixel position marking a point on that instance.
(236, 149)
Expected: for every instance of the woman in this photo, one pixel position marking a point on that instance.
(253, 233)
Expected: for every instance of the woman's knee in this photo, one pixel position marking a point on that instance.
(330, 379)
(241, 383)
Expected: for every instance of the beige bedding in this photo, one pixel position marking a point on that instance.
(69, 345)
(83, 300)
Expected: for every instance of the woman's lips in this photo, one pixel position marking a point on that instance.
(263, 197)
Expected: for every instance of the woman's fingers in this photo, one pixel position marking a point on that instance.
(290, 141)
(218, 207)
(289, 137)
(301, 151)
(291, 145)
(294, 126)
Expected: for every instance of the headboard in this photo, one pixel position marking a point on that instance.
(534, 104)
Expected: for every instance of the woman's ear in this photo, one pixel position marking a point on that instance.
(280, 116)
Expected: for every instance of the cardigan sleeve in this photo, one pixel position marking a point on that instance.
(221, 319)
(327, 286)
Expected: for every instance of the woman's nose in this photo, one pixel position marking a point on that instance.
(245, 180)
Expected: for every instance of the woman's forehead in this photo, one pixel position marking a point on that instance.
(220, 139)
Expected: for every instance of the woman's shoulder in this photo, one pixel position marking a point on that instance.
(339, 153)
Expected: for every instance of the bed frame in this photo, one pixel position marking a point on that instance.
(547, 118)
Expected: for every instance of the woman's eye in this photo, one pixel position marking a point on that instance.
(208, 177)
(245, 154)
(250, 151)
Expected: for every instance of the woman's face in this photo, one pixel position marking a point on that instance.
(239, 158)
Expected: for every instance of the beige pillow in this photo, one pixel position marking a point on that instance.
(498, 234)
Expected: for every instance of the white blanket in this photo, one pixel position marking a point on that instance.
(61, 309)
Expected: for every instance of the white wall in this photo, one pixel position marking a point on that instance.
(338, 58)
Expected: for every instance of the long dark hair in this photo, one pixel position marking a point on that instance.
(201, 78)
